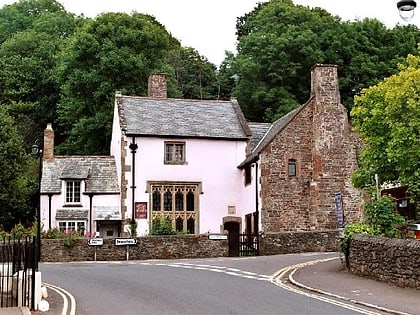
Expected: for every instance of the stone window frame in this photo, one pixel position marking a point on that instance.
(168, 204)
(175, 152)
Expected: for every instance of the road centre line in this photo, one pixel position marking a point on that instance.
(64, 294)
(277, 280)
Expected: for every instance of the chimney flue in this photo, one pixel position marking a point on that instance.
(157, 85)
(48, 153)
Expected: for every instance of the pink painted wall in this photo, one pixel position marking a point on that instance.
(211, 162)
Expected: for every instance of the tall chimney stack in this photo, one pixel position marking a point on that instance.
(48, 153)
(324, 84)
(157, 87)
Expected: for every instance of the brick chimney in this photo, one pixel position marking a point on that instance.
(324, 84)
(157, 85)
(48, 153)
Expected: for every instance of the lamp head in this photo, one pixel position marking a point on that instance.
(406, 9)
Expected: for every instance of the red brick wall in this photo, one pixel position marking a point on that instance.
(320, 139)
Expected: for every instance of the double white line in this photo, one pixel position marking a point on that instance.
(67, 299)
(277, 280)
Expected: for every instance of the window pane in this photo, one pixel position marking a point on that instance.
(71, 226)
(190, 201)
(76, 191)
(167, 201)
(179, 152)
(168, 153)
(179, 224)
(190, 226)
(62, 226)
(156, 201)
(292, 168)
(179, 201)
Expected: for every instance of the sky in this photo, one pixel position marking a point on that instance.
(209, 25)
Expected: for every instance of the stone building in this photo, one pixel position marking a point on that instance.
(303, 160)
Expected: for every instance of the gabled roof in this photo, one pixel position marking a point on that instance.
(166, 117)
(98, 172)
(271, 133)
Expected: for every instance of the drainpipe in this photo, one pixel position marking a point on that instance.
(90, 213)
(257, 212)
(133, 147)
(49, 210)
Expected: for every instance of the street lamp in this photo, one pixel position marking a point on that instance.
(133, 147)
(406, 9)
(36, 150)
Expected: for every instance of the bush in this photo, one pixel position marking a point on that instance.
(162, 226)
(20, 232)
(70, 237)
(380, 214)
(54, 233)
(354, 228)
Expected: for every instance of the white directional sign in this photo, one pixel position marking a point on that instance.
(96, 242)
(125, 241)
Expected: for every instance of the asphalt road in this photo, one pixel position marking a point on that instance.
(195, 286)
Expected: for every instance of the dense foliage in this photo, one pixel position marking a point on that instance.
(387, 116)
(279, 42)
(65, 69)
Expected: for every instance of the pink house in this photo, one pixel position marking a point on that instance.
(177, 159)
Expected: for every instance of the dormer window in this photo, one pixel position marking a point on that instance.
(174, 152)
(73, 191)
(291, 168)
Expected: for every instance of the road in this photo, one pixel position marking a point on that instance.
(193, 286)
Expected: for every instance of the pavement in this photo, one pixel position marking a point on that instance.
(330, 279)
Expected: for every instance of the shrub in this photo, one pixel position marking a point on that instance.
(54, 233)
(162, 226)
(20, 232)
(70, 236)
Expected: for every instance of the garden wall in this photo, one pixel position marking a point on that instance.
(184, 246)
(390, 260)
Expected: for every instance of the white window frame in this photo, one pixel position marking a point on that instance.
(72, 194)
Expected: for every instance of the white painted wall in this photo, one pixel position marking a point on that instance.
(211, 162)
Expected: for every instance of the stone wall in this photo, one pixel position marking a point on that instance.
(394, 261)
(150, 247)
(175, 247)
(302, 242)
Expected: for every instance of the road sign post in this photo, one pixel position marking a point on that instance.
(127, 242)
(95, 242)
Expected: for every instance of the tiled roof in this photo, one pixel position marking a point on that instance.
(258, 132)
(272, 132)
(99, 173)
(167, 117)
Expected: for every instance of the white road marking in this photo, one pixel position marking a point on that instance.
(64, 294)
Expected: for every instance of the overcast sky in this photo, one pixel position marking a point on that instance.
(209, 25)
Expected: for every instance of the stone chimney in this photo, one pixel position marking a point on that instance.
(157, 85)
(48, 153)
(324, 84)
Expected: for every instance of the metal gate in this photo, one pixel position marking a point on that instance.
(243, 245)
(17, 272)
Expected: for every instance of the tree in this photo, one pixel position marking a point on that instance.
(195, 75)
(279, 42)
(387, 117)
(114, 52)
(16, 187)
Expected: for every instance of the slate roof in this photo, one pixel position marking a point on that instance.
(258, 132)
(271, 133)
(99, 173)
(166, 117)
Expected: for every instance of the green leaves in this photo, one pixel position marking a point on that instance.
(387, 116)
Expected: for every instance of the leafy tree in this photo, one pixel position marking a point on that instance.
(387, 118)
(279, 42)
(28, 63)
(15, 186)
(195, 75)
(114, 52)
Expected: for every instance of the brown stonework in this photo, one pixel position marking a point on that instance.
(320, 140)
(157, 85)
(48, 151)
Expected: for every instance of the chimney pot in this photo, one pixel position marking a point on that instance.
(48, 152)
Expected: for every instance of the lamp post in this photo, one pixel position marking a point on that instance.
(37, 151)
(406, 9)
(133, 147)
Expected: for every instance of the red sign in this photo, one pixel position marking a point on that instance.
(141, 210)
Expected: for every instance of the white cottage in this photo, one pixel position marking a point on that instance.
(178, 159)
(79, 192)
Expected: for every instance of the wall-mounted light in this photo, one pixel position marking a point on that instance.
(406, 9)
